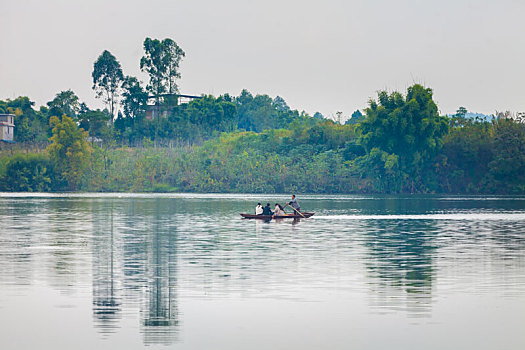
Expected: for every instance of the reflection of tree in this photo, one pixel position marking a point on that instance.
(400, 257)
(106, 293)
(134, 260)
(160, 313)
(67, 218)
(17, 234)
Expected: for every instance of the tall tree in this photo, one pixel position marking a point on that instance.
(107, 80)
(161, 61)
(401, 136)
(174, 55)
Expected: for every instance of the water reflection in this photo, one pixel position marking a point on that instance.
(400, 256)
(160, 313)
(134, 264)
(139, 261)
(107, 298)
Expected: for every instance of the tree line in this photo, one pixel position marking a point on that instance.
(402, 145)
(247, 143)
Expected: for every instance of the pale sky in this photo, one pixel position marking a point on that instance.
(325, 56)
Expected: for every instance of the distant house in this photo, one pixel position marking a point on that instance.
(7, 127)
(160, 109)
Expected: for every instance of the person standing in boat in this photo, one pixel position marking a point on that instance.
(258, 209)
(294, 204)
(267, 210)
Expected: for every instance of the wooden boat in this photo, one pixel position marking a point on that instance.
(269, 217)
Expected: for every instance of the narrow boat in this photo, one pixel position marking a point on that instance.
(287, 216)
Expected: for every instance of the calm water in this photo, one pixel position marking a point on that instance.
(129, 271)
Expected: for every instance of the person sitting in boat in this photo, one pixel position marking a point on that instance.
(267, 210)
(278, 211)
(258, 209)
(293, 203)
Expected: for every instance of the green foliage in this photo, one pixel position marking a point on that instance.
(107, 80)
(483, 157)
(161, 61)
(30, 125)
(191, 122)
(305, 158)
(507, 167)
(135, 98)
(401, 136)
(258, 144)
(356, 118)
(260, 113)
(65, 102)
(461, 112)
(96, 123)
(69, 151)
(27, 173)
(467, 151)
(318, 115)
(252, 143)
(273, 161)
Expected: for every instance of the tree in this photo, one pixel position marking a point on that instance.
(339, 117)
(31, 125)
(461, 112)
(318, 115)
(466, 154)
(107, 80)
(356, 118)
(401, 136)
(507, 168)
(96, 123)
(161, 61)
(134, 98)
(70, 151)
(280, 104)
(27, 172)
(174, 55)
(65, 102)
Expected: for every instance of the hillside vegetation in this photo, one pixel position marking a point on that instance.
(258, 144)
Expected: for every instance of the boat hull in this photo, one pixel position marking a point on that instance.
(269, 217)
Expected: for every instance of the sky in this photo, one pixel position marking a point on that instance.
(325, 56)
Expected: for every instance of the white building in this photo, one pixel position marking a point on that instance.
(7, 127)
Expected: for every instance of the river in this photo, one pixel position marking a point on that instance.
(126, 271)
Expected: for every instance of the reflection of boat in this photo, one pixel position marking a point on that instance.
(268, 217)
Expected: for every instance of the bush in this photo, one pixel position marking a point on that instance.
(28, 173)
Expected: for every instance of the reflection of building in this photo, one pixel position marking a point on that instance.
(160, 313)
(7, 127)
